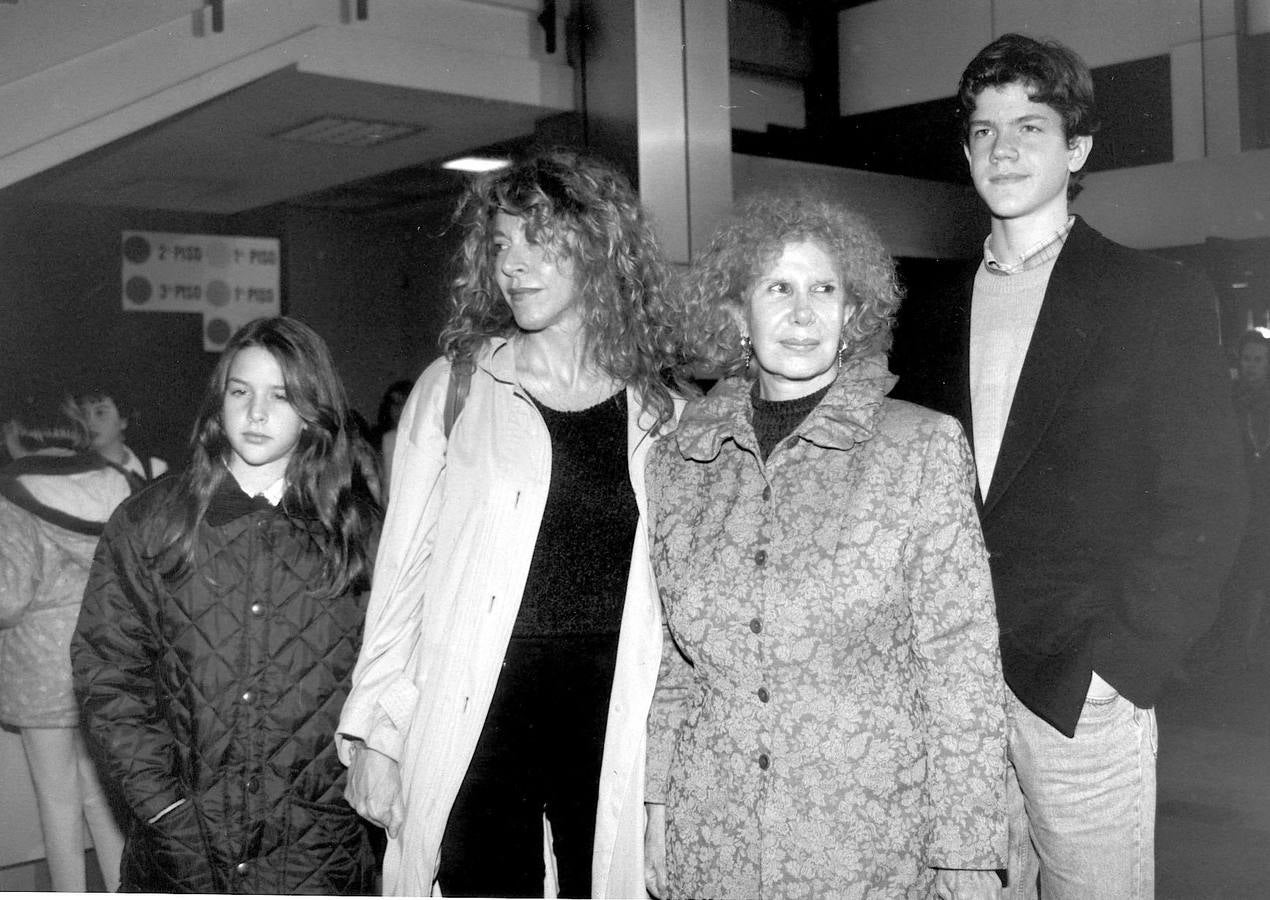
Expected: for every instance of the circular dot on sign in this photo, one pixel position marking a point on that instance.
(218, 331)
(136, 249)
(138, 290)
(218, 254)
(218, 292)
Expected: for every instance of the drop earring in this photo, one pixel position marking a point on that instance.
(747, 350)
(842, 353)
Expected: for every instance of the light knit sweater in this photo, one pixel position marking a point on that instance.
(1002, 318)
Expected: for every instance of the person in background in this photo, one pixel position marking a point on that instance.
(384, 434)
(829, 717)
(55, 498)
(107, 416)
(512, 641)
(1091, 383)
(1235, 640)
(219, 631)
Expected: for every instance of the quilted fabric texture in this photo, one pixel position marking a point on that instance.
(223, 690)
(834, 726)
(43, 570)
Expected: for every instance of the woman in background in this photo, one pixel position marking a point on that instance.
(384, 434)
(829, 720)
(512, 641)
(55, 498)
(1237, 637)
(219, 632)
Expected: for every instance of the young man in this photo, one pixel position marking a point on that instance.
(1089, 379)
(107, 419)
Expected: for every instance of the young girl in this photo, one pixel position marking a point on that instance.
(55, 498)
(220, 626)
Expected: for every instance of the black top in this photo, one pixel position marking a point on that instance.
(577, 578)
(775, 420)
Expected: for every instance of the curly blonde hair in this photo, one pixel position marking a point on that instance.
(753, 238)
(582, 208)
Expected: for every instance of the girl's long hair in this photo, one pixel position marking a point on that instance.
(326, 477)
(636, 327)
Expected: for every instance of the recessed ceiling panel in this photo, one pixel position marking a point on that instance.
(225, 156)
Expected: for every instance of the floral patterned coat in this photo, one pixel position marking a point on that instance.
(829, 718)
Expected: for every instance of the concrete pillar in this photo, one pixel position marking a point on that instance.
(654, 96)
(1205, 74)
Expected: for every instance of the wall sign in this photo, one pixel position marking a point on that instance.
(228, 280)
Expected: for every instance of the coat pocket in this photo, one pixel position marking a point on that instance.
(169, 855)
(328, 849)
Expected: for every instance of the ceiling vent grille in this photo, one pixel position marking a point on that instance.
(338, 131)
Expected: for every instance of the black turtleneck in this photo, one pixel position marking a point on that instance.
(775, 420)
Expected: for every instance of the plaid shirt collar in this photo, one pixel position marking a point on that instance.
(1037, 255)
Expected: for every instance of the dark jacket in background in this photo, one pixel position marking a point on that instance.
(223, 689)
(1118, 497)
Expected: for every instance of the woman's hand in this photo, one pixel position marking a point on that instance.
(966, 884)
(655, 849)
(374, 787)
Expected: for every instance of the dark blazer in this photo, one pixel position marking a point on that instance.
(1116, 503)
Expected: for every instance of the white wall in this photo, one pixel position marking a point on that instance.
(1183, 203)
(896, 52)
(913, 217)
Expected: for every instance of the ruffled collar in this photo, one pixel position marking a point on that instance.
(846, 416)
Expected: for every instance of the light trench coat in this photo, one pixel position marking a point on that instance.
(436, 634)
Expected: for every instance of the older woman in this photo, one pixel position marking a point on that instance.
(512, 639)
(828, 719)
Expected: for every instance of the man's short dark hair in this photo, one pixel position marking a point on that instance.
(1053, 74)
(107, 392)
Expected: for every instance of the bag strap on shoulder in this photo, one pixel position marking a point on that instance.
(456, 394)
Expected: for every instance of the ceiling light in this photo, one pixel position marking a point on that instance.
(476, 164)
(345, 132)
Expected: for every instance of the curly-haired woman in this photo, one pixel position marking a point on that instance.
(512, 641)
(828, 720)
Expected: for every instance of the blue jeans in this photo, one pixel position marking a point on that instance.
(1082, 809)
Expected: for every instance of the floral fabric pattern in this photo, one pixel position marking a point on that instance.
(828, 720)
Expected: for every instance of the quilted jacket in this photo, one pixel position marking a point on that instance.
(50, 519)
(213, 698)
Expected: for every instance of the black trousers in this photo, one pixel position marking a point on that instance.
(540, 751)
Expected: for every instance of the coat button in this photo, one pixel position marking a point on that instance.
(763, 761)
(248, 696)
(257, 609)
(253, 785)
(756, 626)
(764, 695)
(760, 558)
(767, 492)
(242, 869)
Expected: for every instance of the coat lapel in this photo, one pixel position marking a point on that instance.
(1065, 330)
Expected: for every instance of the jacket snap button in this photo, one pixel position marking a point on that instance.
(764, 695)
(760, 558)
(756, 626)
(257, 609)
(763, 761)
(242, 868)
(253, 784)
(248, 696)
